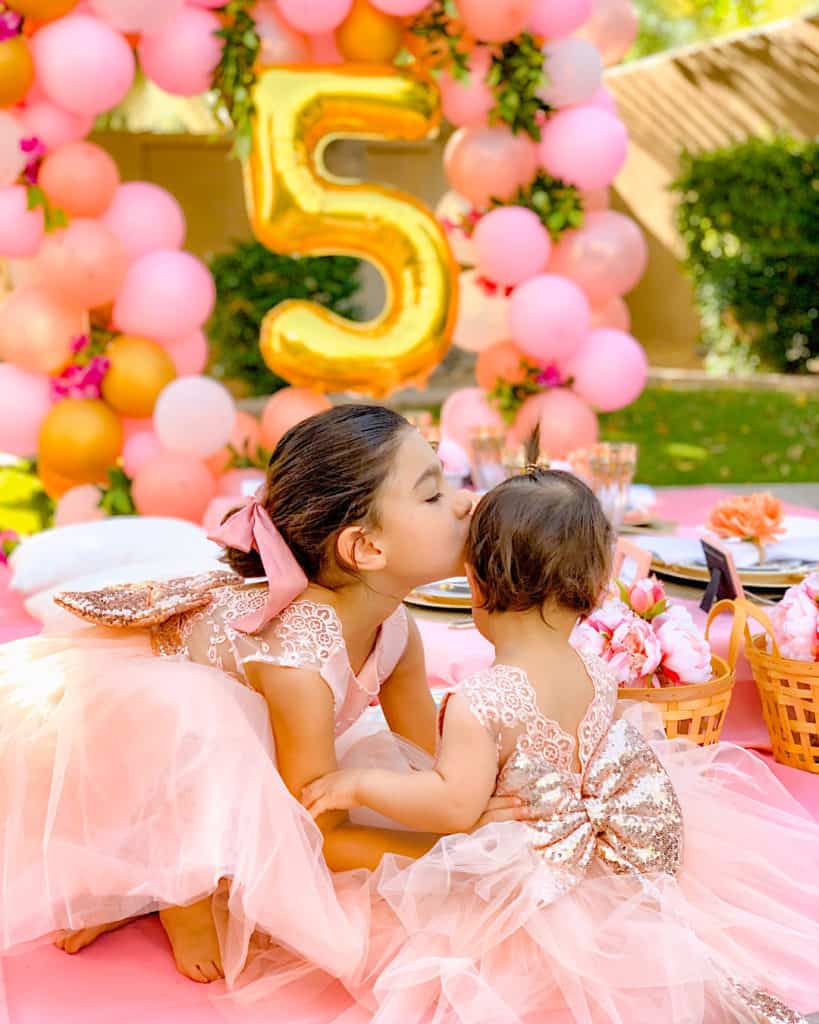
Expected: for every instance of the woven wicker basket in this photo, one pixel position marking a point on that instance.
(788, 689)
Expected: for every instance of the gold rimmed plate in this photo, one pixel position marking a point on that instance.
(452, 594)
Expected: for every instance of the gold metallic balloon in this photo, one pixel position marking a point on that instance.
(80, 439)
(54, 484)
(16, 70)
(42, 10)
(297, 206)
(368, 35)
(140, 369)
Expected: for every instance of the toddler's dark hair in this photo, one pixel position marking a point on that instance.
(541, 536)
(324, 476)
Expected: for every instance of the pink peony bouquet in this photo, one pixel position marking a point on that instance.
(796, 621)
(645, 639)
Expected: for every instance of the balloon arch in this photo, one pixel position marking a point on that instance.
(523, 263)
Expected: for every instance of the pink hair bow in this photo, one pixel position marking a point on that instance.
(251, 527)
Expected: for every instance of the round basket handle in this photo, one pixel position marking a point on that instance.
(743, 611)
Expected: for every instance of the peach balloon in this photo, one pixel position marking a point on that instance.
(556, 19)
(176, 485)
(81, 438)
(145, 217)
(138, 450)
(79, 505)
(79, 178)
(495, 21)
(287, 408)
(12, 157)
(565, 422)
(21, 230)
(606, 257)
(612, 27)
(324, 50)
(504, 362)
(36, 332)
(489, 163)
(467, 103)
(189, 354)
(52, 125)
(240, 482)
(245, 439)
(83, 264)
(315, 16)
(614, 314)
(278, 42)
(466, 411)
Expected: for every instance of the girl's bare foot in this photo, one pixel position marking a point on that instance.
(192, 935)
(73, 942)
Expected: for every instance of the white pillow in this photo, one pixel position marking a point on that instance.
(41, 606)
(55, 557)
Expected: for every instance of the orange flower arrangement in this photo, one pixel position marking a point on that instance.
(757, 518)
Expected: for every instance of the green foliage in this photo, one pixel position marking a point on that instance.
(24, 505)
(235, 74)
(516, 75)
(559, 206)
(116, 498)
(749, 215)
(250, 281)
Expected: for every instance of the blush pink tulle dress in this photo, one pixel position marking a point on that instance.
(659, 884)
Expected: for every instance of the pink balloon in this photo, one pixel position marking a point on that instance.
(145, 217)
(612, 27)
(194, 416)
(138, 450)
(565, 422)
(324, 50)
(212, 4)
(597, 201)
(400, 8)
(189, 354)
(584, 146)
(511, 245)
(496, 21)
(216, 511)
(21, 229)
(279, 43)
(466, 103)
(80, 179)
(82, 265)
(136, 15)
(25, 398)
(606, 257)
(610, 369)
(240, 482)
(464, 412)
(166, 295)
(555, 19)
(12, 157)
(83, 64)
(614, 314)
(315, 16)
(603, 99)
(79, 505)
(54, 126)
(549, 318)
(182, 56)
(287, 408)
(482, 314)
(36, 332)
(175, 485)
(489, 163)
(574, 70)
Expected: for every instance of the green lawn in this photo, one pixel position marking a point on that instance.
(720, 436)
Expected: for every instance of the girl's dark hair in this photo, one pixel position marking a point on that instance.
(542, 536)
(322, 477)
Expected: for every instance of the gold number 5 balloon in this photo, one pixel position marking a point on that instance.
(297, 206)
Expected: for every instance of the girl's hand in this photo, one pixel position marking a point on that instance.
(503, 808)
(334, 792)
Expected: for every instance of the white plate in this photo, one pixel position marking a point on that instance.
(452, 594)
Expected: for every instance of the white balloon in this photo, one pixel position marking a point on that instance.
(574, 69)
(137, 15)
(482, 314)
(194, 416)
(451, 211)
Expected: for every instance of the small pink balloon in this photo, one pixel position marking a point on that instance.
(52, 125)
(82, 64)
(400, 8)
(240, 482)
(194, 416)
(138, 450)
(482, 314)
(585, 146)
(174, 485)
(489, 163)
(21, 230)
(82, 265)
(464, 412)
(182, 56)
(80, 179)
(606, 257)
(166, 295)
(612, 27)
(555, 19)
(610, 369)
(145, 217)
(497, 21)
(79, 505)
(614, 314)
(549, 318)
(574, 70)
(12, 157)
(25, 398)
(324, 50)
(315, 16)
(287, 408)
(278, 42)
(603, 99)
(136, 15)
(35, 332)
(189, 354)
(467, 102)
(564, 422)
(511, 245)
